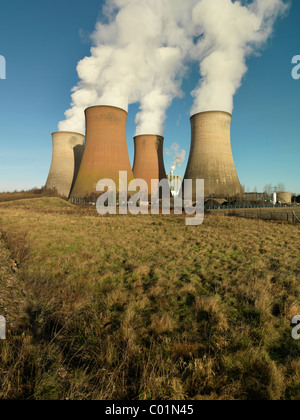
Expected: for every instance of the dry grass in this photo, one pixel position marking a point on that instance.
(125, 307)
(23, 195)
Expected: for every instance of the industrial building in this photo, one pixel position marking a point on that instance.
(284, 197)
(105, 153)
(175, 182)
(148, 159)
(76, 169)
(67, 154)
(211, 156)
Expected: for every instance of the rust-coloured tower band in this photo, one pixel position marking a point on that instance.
(66, 159)
(148, 160)
(105, 152)
(211, 155)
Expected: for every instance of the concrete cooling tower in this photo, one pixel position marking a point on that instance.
(67, 154)
(148, 161)
(211, 155)
(105, 152)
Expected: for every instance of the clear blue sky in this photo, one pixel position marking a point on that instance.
(42, 43)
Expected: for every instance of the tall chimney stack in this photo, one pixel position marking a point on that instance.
(105, 153)
(211, 155)
(148, 160)
(67, 154)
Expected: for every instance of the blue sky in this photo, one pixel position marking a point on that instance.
(42, 43)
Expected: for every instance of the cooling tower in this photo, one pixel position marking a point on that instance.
(148, 160)
(67, 154)
(211, 155)
(105, 152)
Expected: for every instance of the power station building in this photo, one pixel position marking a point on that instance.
(105, 153)
(67, 154)
(284, 197)
(148, 160)
(76, 169)
(175, 182)
(211, 156)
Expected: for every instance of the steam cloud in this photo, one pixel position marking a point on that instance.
(179, 156)
(230, 32)
(138, 56)
(142, 49)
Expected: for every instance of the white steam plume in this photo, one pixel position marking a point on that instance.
(179, 156)
(141, 49)
(229, 32)
(178, 160)
(138, 57)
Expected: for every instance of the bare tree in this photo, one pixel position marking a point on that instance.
(268, 189)
(280, 187)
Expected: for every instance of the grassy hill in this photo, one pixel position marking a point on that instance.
(143, 307)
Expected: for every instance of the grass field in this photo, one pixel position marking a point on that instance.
(143, 307)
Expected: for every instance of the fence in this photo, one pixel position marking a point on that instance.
(266, 214)
(235, 207)
(296, 219)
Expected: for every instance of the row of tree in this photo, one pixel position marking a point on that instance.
(268, 189)
(296, 199)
